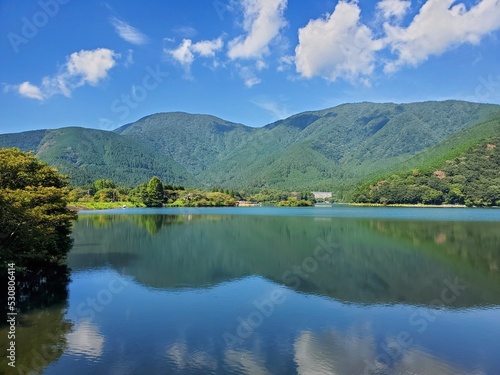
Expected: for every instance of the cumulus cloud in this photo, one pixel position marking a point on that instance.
(184, 54)
(128, 32)
(207, 48)
(262, 21)
(337, 46)
(439, 26)
(91, 66)
(393, 8)
(84, 67)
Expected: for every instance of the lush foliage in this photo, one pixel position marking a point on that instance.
(34, 220)
(329, 150)
(294, 202)
(471, 178)
(105, 194)
(154, 193)
(87, 155)
(322, 150)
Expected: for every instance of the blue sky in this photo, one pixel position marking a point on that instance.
(103, 64)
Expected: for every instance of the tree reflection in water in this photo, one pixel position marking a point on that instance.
(41, 329)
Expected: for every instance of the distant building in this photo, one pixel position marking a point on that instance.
(247, 204)
(321, 194)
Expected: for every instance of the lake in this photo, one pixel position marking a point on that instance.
(265, 290)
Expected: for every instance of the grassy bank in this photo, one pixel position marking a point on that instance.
(78, 206)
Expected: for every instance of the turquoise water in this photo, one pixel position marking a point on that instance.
(263, 290)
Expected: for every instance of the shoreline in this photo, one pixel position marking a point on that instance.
(91, 206)
(408, 205)
(78, 206)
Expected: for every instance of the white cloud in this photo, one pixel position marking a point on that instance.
(440, 26)
(260, 64)
(30, 91)
(284, 62)
(248, 75)
(128, 32)
(81, 68)
(341, 46)
(338, 46)
(91, 66)
(184, 54)
(263, 20)
(393, 8)
(207, 48)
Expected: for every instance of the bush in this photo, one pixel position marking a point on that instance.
(34, 220)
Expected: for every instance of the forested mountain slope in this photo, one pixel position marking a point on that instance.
(463, 170)
(88, 154)
(332, 149)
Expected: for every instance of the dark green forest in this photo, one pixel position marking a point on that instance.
(334, 149)
(471, 178)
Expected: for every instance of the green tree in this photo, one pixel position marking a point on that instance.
(154, 193)
(107, 195)
(103, 184)
(35, 223)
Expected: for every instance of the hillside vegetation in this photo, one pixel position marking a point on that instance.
(313, 150)
(334, 149)
(87, 154)
(470, 177)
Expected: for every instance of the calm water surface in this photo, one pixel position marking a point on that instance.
(339, 290)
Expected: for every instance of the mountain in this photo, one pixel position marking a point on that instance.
(462, 170)
(311, 150)
(330, 149)
(195, 141)
(88, 154)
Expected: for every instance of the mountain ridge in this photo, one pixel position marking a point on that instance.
(321, 149)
